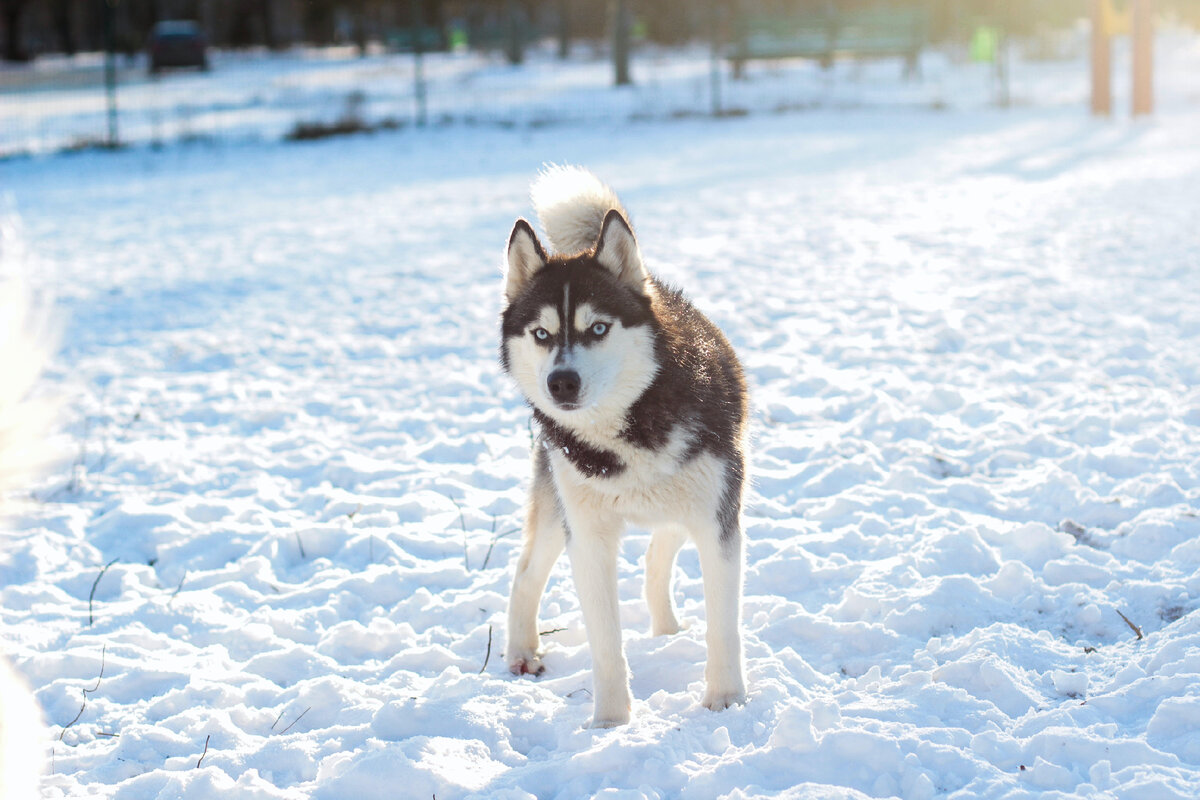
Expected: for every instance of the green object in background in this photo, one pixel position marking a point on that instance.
(458, 38)
(984, 43)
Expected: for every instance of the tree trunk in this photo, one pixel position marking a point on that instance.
(62, 26)
(564, 29)
(515, 23)
(12, 11)
(270, 38)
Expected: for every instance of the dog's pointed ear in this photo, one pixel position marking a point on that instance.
(617, 251)
(525, 257)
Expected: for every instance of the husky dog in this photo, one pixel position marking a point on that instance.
(640, 406)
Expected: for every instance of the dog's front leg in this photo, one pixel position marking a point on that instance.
(544, 540)
(592, 547)
(720, 549)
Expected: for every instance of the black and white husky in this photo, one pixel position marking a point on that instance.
(640, 406)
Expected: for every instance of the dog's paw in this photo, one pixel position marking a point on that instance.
(667, 628)
(527, 664)
(610, 722)
(721, 699)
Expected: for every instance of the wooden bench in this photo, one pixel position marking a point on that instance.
(407, 40)
(826, 35)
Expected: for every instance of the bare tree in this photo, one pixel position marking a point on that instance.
(62, 26)
(11, 12)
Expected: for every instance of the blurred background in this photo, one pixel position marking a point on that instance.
(79, 74)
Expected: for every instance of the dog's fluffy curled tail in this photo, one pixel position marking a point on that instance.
(571, 204)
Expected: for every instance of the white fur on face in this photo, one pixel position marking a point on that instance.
(614, 371)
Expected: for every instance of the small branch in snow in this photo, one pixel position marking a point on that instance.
(178, 588)
(462, 521)
(300, 544)
(552, 630)
(588, 692)
(1133, 627)
(488, 655)
(297, 719)
(86, 692)
(92, 594)
(103, 660)
(276, 722)
(63, 732)
(202, 755)
(488, 556)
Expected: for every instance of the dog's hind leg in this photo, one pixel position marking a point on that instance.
(720, 548)
(660, 565)
(592, 548)
(545, 538)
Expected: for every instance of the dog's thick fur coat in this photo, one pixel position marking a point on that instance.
(641, 407)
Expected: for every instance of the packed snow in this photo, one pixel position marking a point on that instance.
(271, 557)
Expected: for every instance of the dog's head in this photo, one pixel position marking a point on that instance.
(578, 335)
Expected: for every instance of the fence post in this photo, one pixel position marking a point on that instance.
(418, 28)
(515, 21)
(621, 25)
(110, 71)
(564, 29)
(1143, 57)
(1101, 62)
(714, 14)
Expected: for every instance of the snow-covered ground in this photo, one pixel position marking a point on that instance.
(272, 558)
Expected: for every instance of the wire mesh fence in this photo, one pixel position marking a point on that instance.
(56, 103)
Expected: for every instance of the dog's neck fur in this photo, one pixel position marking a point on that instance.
(591, 461)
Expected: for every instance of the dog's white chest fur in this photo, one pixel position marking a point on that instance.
(656, 486)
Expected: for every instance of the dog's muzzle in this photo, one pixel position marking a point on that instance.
(563, 385)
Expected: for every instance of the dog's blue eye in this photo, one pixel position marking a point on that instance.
(599, 329)
(541, 334)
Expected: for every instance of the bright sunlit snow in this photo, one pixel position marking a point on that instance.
(271, 558)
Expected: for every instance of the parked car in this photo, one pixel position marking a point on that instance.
(177, 43)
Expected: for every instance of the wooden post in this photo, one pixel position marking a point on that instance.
(1101, 62)
(1143, 57)
(714, 67)
(418, 27)
(564, 29)
(110, 70)
(622, 23)
(515, 22)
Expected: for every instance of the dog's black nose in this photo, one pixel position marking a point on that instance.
(564, 386)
